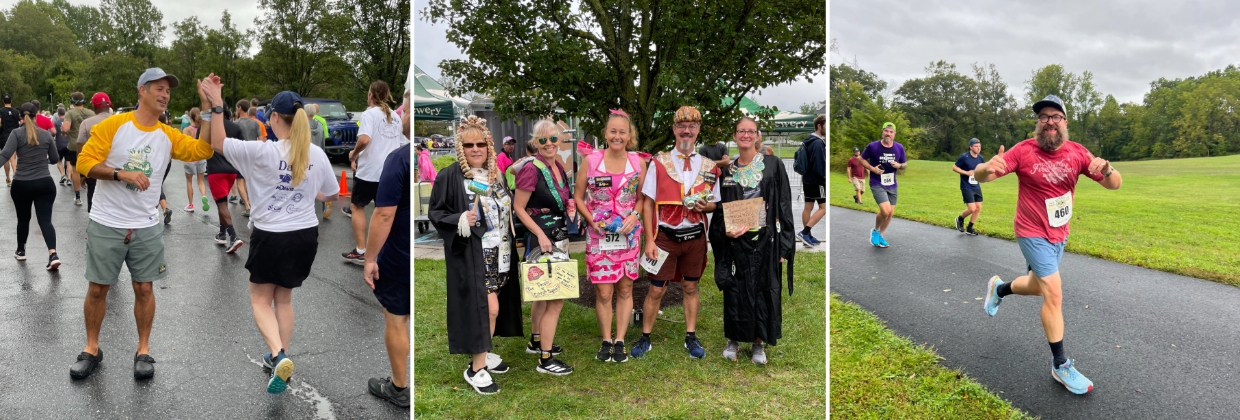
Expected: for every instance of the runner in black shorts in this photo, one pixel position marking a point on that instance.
(289, 175)
(970, 189)
(378, 133)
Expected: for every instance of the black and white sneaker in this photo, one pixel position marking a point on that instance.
(553, 366)
(20, 255)
(960, 223)
(221, 239)
(53, 262)
(167, 216)
(495, 364)
(555, 349)
(234, 244)
(617, 352)
(970, 231)
(481, 381)
(604, 352)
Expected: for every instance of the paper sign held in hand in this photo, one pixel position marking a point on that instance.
(744, 213)
(653, 266)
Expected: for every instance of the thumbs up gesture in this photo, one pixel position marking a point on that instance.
(997, 165)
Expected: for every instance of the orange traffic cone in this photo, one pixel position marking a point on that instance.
(344, 185)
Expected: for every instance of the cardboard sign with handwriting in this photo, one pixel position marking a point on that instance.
(744, 213)
(549, 280)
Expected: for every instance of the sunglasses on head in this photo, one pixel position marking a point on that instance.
(473, 145)
(544, 140)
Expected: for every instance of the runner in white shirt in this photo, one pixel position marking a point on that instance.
(286, 177)
(377, 135)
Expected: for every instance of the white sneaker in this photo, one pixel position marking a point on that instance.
(481, 382)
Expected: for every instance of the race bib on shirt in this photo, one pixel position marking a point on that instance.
(887, 179)
(972, 180)
(612, 241)
(653, 266)
(505, 257)
(1059, 210)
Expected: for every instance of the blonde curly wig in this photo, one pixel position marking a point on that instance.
(468, 126)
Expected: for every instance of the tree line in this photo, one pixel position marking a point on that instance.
(937, 114)
(331, 49)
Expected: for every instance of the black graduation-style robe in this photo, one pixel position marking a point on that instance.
(747, 270)
(468, 320)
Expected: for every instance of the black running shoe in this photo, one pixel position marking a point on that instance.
(480, 381)
(221, 239)
(604, 352)
(383, 388)
(554, 366)
(617, 352)
(960, 223)
(85, 365)
(555, 349)
(233, 245)
(354, 257)
(53, 262)
(970, 231)
(20, 255)
(167, 216)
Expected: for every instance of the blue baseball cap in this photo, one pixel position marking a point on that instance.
(155, 73)
(1049, 100)
(286, 102)
(974, 141)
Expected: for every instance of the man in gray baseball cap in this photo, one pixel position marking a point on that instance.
(124, 229)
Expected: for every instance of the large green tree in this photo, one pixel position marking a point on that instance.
(647, 57)
(376, 39)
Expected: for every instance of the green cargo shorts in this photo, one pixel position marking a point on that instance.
(106, 250)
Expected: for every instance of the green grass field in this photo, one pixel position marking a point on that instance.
(1179, 216)
(664, 384)
(878, 375)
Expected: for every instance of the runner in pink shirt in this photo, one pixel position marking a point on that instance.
(1047, 168)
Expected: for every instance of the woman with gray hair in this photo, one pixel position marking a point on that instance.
(543, 202)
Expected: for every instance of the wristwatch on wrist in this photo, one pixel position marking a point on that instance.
(115, 172)
(217, 109)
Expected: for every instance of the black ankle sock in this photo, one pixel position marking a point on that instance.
(472, 372)
(970, 225)
(232, 233)
(806, 230)
(398, 389)
(1004, 289)
(690, 334)
(223, 228)
(646, 336)
(1057, 352)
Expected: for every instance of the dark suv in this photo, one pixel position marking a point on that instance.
(341, 132)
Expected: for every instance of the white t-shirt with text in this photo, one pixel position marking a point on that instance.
(277, 205)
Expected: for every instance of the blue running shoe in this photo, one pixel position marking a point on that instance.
(812, 238)
(1067, 375)
(281, 374)
(992, 296)
(808, 239)
(642, 347)
(876, 239)
(883, 241)
(268, 361)
(695, 348)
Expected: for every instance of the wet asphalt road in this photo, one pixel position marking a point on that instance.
(207, 348)
(1156, 345)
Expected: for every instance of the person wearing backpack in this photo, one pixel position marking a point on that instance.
(810, 161)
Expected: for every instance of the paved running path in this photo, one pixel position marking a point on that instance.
(1156, 345)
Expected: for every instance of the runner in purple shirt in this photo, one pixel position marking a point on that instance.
(883, 158)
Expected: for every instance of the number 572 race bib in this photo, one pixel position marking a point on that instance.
(1059, 210)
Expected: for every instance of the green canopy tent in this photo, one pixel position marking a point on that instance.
(784, 122)
(432, 102)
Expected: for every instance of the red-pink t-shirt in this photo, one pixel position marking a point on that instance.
(1047, 186)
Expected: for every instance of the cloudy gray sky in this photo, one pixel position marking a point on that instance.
(208, 12)
(1125, 44)
(431, 46)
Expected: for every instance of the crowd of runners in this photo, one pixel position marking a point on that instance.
(632, 206)
(269, 158)
(1047, 168)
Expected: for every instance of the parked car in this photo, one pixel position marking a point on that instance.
(341, 133)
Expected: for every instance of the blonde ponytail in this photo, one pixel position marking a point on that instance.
(299, 144)
(32, 133)
(382, 96)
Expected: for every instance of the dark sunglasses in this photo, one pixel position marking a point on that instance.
(473, 145)
(553, 139)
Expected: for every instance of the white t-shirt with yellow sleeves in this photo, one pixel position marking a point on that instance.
(120, 142)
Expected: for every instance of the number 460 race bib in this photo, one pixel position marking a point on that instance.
(1059, 210)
